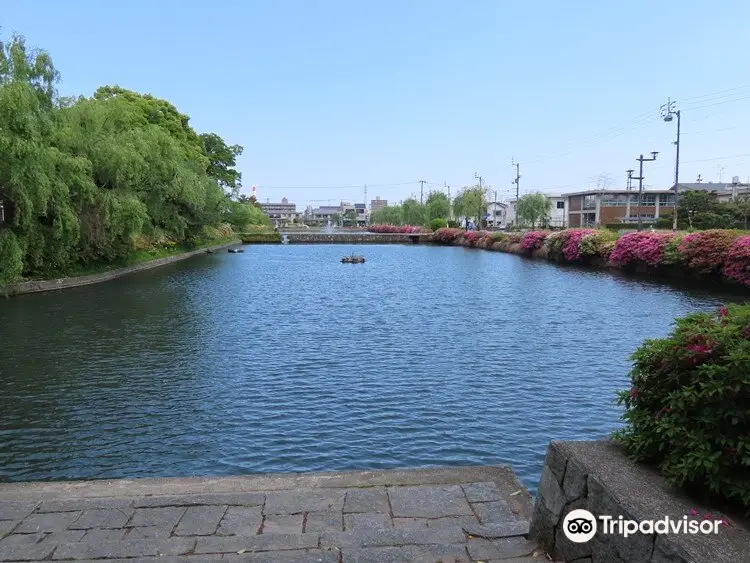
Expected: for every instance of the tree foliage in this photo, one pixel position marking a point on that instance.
(389, 215)
(470, 202)
(533, 209)
(437, 206)
(84, 179)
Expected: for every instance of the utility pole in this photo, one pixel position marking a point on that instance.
(366, 218)
(494, 211)
(630, 179)
(666, 111)
(450, 201)
(641, 159)
(479, 213)
(421, 191)
(517, 182)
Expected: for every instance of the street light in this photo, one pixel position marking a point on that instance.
(667, 111)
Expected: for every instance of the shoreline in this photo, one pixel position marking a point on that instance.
(39, 286)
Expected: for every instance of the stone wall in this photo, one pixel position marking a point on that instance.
(64, 283)
(596, 476)
(356, 238)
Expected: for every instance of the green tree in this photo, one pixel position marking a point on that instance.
(413, 212)
(243, 215)
(222, 159)
(438, 206)
(471, 202)
(350, 217)
(533, 209)
(389, 215)
(740, 207)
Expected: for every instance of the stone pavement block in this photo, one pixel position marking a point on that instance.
(21, 539)
(435, 523)
(270, 542)
(326, 521)
(200, 520)
(411, 553)
(26, 551)
(96, 535)
(167, 516)
(494, 512)
(304, 500)
(143, 532)
(366, 520)
(48, 522)
(123, 549)
(75, 504)
(64, 536)
(283, 524)
(7, 526)
(367, 500)
(16, 510)
(390, 537)
(228, 499)
(295, 556)
(241, 521)
(499, 530)
(102, 518)
(483, 549)
(433, 501)
(482, 492)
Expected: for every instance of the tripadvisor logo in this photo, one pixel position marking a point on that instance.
(579, 526)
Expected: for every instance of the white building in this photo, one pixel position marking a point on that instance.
(557, 215)
(496, 214)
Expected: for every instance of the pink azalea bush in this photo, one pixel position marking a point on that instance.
(533, 240)
(737, 261)
(640, 247)
(598, 244)
(473, 237)
(705, 251)
(447, 235)
(406, 229)
(571, 249)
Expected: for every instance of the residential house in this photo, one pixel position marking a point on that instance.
(496, 214)
(558, 215)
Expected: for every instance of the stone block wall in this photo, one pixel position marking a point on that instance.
(596, 476)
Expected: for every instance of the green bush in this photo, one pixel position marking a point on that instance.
(688, 410)
(453, 225)
(11, 258)
(598, 244)
(439, 223)
(260, 238)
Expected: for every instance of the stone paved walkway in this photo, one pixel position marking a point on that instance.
(447, 515)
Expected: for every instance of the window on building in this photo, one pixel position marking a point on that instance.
(648, 199)
(561, 205)
(611, 200)
(666, 200)
(589, 202)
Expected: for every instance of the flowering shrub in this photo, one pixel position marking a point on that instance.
(498, 237)
(406, 229)
(473, 237)
(640, 247)
(688, 410)
(571, 249)
(533, 240)
(514, 238)
(598, 244)
(705, 250)
(446, 235)
(737, 261)
(555, 242)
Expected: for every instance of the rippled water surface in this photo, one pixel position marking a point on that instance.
(283, 359)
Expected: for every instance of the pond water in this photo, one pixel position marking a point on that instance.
(284, 359)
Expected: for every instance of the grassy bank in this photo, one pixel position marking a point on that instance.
(135, 258)
(260, 238)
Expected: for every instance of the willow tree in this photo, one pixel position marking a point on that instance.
(37, 180)
(470, 202)
(438, 206)
(533, 209)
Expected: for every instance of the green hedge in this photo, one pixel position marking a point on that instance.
(260, 238)
(688, 410)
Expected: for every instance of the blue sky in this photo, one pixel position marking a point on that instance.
(327, 96)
